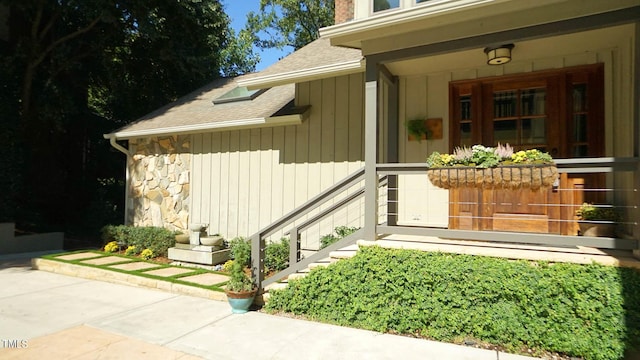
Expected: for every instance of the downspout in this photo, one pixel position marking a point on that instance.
(112, 141)
(122, 149)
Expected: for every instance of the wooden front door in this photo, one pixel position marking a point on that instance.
(560, 112)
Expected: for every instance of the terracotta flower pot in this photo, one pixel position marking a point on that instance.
(598, 229)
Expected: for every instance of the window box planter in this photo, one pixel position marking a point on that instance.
(529, 176)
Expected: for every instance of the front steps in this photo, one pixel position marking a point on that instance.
(334, 256)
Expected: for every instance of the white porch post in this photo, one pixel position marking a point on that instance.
(370, 157)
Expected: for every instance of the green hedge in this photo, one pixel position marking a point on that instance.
(589, 311)
(159, 240)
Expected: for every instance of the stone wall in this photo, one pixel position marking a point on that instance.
(159, 174)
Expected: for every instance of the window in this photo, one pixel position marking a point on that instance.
(559, 111)
(381, 5)
(238, 94)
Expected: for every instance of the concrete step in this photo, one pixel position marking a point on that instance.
(334, 256)
(298, 275)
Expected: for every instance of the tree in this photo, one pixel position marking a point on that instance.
(282, 23)
(238, 56)
(72, 70)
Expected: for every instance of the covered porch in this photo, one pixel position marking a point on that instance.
(570, 90)
(583, 72)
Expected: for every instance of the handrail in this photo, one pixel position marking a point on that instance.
(601, 165)
(574, 165)
(257, 239)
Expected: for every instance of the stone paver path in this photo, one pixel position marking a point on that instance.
(78, 256)
(170, 271)
(206, 279)
(133, 266)
(106, 260)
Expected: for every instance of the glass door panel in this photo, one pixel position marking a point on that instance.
(534, 131)
(579, 121)
(533, 102)
(504, 104)
(465, 120)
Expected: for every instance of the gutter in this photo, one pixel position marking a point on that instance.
(112, 141)
(281, 120)
(344, 68)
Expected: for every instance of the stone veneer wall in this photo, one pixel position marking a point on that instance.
(159, 173)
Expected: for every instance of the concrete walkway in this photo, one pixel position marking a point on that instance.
(53, 316)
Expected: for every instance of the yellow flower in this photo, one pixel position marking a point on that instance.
(111, 247)
(146, 254)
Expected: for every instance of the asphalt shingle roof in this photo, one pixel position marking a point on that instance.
(197, 108)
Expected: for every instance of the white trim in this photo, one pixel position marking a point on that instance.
(294, 119)
(350, 33)
(344, 68)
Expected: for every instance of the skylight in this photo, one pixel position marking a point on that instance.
(240, 93)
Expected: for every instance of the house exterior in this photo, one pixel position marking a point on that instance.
(568, 86)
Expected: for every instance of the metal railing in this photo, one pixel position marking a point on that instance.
(624, 197)
(293, 223)
(351, 188)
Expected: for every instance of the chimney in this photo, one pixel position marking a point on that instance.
(343, 11)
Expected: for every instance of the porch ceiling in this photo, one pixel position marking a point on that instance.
(524, 51)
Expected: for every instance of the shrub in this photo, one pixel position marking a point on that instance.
(111, 246)
(588, 311)
(158, 240)
(276, 255)
(240, 246)
(340, 232)
(238, 278)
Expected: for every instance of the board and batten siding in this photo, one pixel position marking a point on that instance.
(426, 95)
(243, 180)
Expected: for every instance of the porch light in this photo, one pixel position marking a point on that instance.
(498, 55)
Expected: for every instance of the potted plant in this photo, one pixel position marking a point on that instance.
(417, 129)
(597, 220)
(240, 289)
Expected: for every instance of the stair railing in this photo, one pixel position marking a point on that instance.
(295, 261)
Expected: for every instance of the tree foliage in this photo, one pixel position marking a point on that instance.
(73, 70)
(282, 23)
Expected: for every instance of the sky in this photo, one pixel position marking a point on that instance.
(237, 11)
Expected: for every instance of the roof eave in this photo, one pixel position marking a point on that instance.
(352, 34)
(292, 119)
(320, 72)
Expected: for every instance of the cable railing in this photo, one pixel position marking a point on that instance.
(483, 214)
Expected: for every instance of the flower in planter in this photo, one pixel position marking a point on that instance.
(480, 156)
(492, 167)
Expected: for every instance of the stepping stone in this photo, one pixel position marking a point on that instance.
(206, 279)
(170, 271)
(105, 260)
(78, 256)
(134, 266)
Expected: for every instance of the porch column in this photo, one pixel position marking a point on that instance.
(370, 153)
(636, 135)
